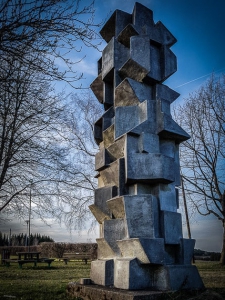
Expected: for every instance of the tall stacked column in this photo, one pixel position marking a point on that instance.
(141, 243)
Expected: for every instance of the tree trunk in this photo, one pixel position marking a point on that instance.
(222, 257)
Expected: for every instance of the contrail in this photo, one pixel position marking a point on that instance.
(199, 78)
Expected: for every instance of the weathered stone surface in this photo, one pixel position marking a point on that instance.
(102, 160)
(164, 92)
(114, 55)
(108, 136)
(128, 117)
(98, 213)
(155, 168)
(126, 34)
(102, 195)
(138, 161)
(171, 227)
(97, 88)
(186, 252)
(167, 196)
(145, 250)
(116, 150)
(130, 276)
(142, 18)
(95, 292)
(114, 230)
(104, 249)
(102, 271)
(116, 206)
(177, 277)
(115, 25)
(130, 92)
(141, 218)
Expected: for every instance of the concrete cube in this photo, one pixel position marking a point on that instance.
(141, 216)
(145, 250)
(102, 272)
(171, 227)
(129, 275)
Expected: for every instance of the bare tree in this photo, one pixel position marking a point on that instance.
(45, 137)
(203, 156)
(46, 148)
(44, 35)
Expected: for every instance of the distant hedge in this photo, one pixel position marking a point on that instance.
(56, 250)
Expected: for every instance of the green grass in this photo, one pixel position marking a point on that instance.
(41, 283)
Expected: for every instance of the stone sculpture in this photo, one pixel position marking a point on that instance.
(141, 244)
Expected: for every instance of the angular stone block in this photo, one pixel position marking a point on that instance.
(116, 206)
(148, 143)
(116, 149)
(155, 73)
(114, 175)
(108, 136)
(97, 88)
(167, 147)
(128, 117)
(102, 272)
(100, 216)
(116, 23)
(163, 35)
(114, 230)
(177, 180)
(142, 18)
(129, 275)
(169, 129)
(164, 92)
(171, 227)
(145, 250)
(177, 277)
(113, 57)
(156, 168)
(170, 63)
(108, 118)
(137, 65)
(102, 160)
(126, 34)
(102, 195)
(105, 251)
(186, 252)
(141, 219)
(166, 195)
(130, 92)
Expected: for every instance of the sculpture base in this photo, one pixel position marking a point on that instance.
(93, 292)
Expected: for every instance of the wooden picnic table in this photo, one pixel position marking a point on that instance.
(28, 255)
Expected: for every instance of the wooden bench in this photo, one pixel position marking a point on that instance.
(77, 256)
(21, 262)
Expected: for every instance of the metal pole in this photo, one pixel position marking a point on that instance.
(185, 208)
(29, 218)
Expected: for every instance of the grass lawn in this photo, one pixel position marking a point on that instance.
(41, 283)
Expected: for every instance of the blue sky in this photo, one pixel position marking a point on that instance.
(199, 26)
